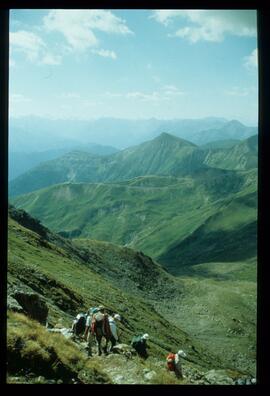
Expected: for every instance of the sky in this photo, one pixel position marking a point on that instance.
(134, 64)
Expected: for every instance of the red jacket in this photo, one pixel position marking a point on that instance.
(170, 359)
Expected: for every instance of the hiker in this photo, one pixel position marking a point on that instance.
(90, 313)
(87, 333)
(100, 328)
(114, 336)
(78, 325)
(140, 345)
(174, 363)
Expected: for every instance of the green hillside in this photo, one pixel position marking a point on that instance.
(241, 156)
(71, 278)
(228, 235)
(166, 155)
(220, 144)
(149, 213)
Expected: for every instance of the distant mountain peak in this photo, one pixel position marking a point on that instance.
(170, 138)
(235, 123)
(165, 135)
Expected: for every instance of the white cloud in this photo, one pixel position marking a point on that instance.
(152, 97)
(77, 26)
(251, 61)
(237, 91)
(112, 94)
(105, 53)
(28, 43)
(165, 16)
(69, 95)
(18, 98)
(209, 25)
(51, 59)
(33, 47)
(166, 93)
(171, 90)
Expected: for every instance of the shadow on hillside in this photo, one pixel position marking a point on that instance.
(207, 247)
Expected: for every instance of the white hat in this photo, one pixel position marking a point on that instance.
(117, 316)
(181, 353)
(145, 336)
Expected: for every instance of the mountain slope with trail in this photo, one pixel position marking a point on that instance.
(64, 277)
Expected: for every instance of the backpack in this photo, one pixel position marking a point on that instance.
(99, 319)
(136, 340)
(80, 324)
(170, 359)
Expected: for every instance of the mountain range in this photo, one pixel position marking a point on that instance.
(164, 155)
(30, 134)
(157, 197)
(20, 162)
(165, 230)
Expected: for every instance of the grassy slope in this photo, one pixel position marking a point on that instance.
(241, 156)
(30, 261)
(31, 349)
(149, 213)
(228, 235)
(217, 302)
(218, 307)
(124, 280)
(163, 155)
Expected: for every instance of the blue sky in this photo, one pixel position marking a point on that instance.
(84, 64)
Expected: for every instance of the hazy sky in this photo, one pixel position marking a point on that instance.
(134, 64)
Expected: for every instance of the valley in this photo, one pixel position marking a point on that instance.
(165, 228)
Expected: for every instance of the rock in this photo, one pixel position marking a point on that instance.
(150, 375)
(13, 305)
(218, 377)
(240, 381)
(123, 349)
(32, 305)
(54, 330)
(67, 333)
(118, 379)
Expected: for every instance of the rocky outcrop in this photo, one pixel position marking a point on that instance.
(31, 304)
(219, 377)
(13, 305)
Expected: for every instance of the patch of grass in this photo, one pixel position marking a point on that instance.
(31, 347)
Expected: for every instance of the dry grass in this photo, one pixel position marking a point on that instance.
(31, 347)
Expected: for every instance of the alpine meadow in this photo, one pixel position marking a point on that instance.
(133, 172)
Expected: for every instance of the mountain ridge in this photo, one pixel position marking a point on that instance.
(164, 155)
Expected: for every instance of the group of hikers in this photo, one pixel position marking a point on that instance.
(97, 324)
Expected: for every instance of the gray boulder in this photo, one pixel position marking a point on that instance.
(150, 375)
(13, 305)
(123, 349)
(218, 377)
(32, 305)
